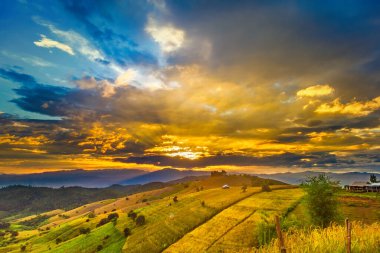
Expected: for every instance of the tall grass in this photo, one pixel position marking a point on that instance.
(365, 239)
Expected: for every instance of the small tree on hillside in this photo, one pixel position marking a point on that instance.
(140, 220)
(372, 178)
(244, 188)
(127, 232)
(321, 199)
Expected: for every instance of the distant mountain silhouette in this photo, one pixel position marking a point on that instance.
(84, 178)
(297, 178)
(164, 175)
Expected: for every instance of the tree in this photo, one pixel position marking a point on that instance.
(127, 232)
(244, 188)
(113, 216)
(132, 215)
(84, 231)
(265, 188)
(175, 199)
(140, 220)
(321, 199)
(372, 178)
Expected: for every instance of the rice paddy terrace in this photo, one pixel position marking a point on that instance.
(204, 218)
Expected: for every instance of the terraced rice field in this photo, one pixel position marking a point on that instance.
(233, 229)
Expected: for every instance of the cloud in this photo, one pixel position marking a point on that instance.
(354, 108)
(49, 43)
(75, 40)
(316, 91)
(167, 36)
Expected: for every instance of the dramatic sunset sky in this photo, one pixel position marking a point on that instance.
(245, 85)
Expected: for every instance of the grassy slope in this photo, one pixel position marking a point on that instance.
(174, 220)
(233, 228)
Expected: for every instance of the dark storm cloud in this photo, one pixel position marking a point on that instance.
(288, 42)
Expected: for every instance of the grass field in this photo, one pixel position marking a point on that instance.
(234, 228)
(365, 239)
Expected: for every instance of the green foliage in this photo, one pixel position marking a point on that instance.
(265, 233)
(84, 231)
(27, 199)
(34, 222)
(22, 248)
(91, 215)
(99, 248)
(372, 178)
(321, 200)
(140, 220)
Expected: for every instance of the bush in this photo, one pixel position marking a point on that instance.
(265, 188)
(127, 232)
(132, 215)
(91, 215)
(102, 222)
(58, 240)
(113, 216)
(99, 248)
(203, 203)
(14, 233)
(4, 225)
(140, 220)
(84, 231)
(175, 199)
(321, 199)
(23, 248)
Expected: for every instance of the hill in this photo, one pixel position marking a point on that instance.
(23, 200)
(84, 178)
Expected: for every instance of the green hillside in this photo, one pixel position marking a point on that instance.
(195, 216)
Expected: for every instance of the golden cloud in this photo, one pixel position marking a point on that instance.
(316, 91)
(354, 108)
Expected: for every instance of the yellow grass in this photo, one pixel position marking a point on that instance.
(365, 239)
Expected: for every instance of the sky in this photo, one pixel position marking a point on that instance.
(254, 86)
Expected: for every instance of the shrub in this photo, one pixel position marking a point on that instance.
(4, 225)
(127, 232)
(102, 222)
(244, 188)
(84, 230)
(14, 233)
(321, 199)
(265, 188)
(91, 215)
(58, 240)
(132, 215)
(175, 199)
(99, 248)
(23, 248)
(203, 203)
(140, 220)
(113, 216)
